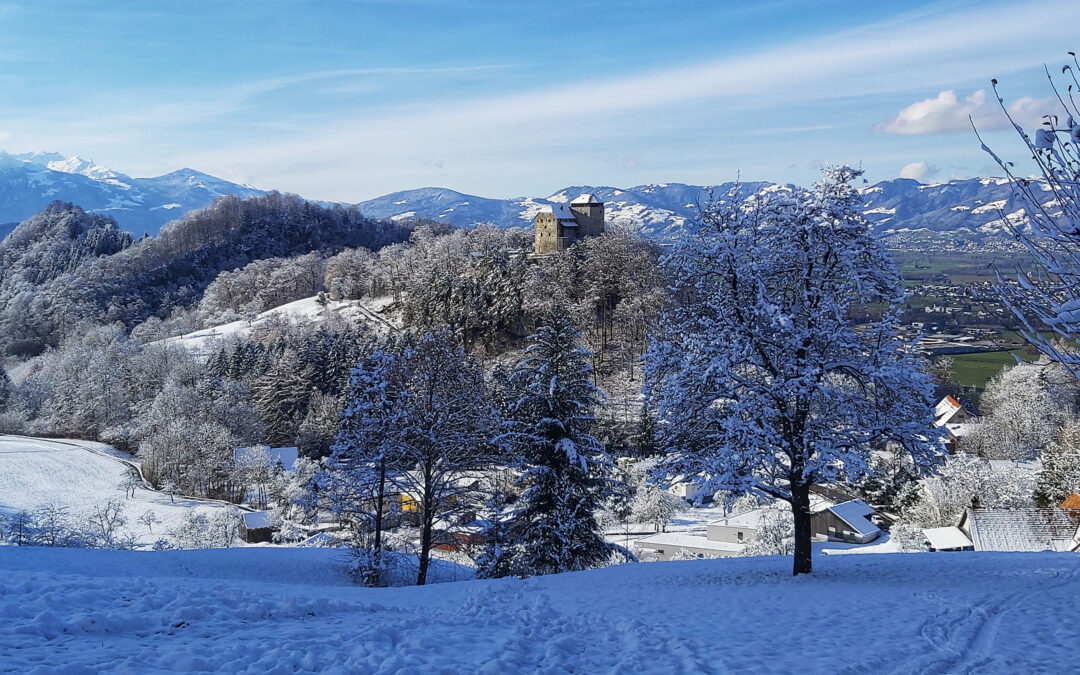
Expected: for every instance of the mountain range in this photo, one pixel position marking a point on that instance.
(969, 208)
(29, 182)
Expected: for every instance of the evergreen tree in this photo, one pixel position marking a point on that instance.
(566, 475)
(281, 397)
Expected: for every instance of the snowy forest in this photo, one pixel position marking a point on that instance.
(516, 410)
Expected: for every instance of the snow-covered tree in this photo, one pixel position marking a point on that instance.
(1059, 476)
(567, 473)
(282, 396)
(963, 481)
(1048, 295)
(761, 378)
(416, 420)
(1024, 407)
(654, 505)
(775, 534)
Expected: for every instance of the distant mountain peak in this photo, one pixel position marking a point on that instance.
(34, 179)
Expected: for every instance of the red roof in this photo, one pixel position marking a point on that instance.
(1071, 502)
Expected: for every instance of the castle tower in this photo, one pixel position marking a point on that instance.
(590, 215)
(559, 226)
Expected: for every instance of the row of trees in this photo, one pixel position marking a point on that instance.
(423, 422)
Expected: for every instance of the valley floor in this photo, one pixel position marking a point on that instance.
(286, 610)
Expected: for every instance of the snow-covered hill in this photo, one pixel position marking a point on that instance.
(30, 181)
(80, 475)
(371, 311)
(289, 610)
(972, 206)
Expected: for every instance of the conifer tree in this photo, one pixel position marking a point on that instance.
(281, 396)
(566, 475)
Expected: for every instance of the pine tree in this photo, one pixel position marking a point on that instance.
(281, 397)
(566, 473)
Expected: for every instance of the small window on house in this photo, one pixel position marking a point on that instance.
(739, 535)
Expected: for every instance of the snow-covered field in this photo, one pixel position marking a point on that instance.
(285, 610)
(79, 475)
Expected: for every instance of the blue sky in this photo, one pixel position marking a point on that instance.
(347, 100)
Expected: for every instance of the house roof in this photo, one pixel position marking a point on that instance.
(1020, 529)
(684, 540)
(856, 513)
(585, 198)
(946, 410)
(945, 538)
(256, 520)
(253, 455)
(1071, 502)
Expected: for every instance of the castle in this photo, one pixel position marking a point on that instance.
(559, 226)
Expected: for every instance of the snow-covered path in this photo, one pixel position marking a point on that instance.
(79, 475)
(286, 610)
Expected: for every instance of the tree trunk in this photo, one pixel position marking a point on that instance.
(425, 550)
(800, 510)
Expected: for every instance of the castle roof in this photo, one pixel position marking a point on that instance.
(585, 198)
(562, 212)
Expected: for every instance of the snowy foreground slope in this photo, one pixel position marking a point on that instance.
(79, 475)
(286, 610)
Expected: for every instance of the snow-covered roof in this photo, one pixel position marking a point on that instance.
(256, 520)
(585, 198)
(946, 410)
(684, 540)
(1020, 529)
(560, 211)
(287, 456)
(945, 538)
(856, 514)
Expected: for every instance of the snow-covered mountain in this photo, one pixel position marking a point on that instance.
(972, 206)
(30, 181)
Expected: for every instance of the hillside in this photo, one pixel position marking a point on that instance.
(288, 610)
(78, 476)
(31, 181)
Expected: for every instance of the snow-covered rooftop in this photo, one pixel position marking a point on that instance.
(1021, 529)
(585, 198)
(856, 513)
(686, 540)
(256, 520)
(945, 538)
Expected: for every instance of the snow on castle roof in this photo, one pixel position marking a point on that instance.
(585, 198)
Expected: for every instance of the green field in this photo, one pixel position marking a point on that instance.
(974, 370)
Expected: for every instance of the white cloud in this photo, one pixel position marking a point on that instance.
(946, 113)
(918, 171)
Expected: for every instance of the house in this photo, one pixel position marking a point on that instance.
(949, 410)
(947, 539)
(956, 421)
(728, 536)
(255, 527)
(559, 226)
(849, 522)
(1030, 529)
